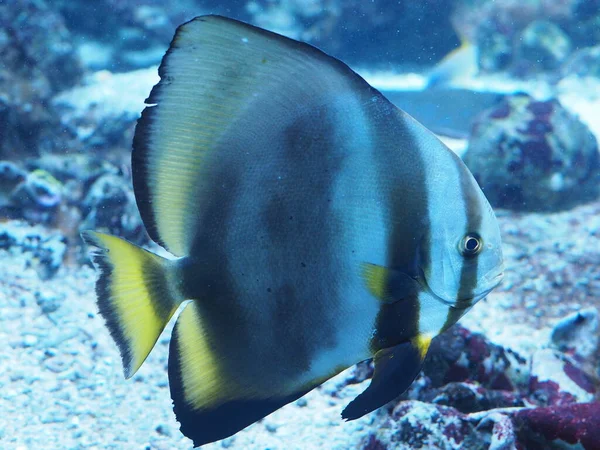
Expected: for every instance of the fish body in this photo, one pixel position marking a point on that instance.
(456, 67)
(314, 224)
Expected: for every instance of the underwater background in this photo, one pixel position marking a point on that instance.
(512, 86)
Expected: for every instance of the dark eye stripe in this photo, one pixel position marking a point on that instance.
(468, 282)
(403, 240)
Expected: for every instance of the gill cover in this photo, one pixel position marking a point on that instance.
(461, 218)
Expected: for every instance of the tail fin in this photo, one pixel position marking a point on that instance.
(135, 294)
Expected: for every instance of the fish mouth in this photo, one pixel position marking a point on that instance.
(489, 284)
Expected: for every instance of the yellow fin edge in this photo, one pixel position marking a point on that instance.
(133, 296)
(376, 278)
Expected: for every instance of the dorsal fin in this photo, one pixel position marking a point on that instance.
(217, 73)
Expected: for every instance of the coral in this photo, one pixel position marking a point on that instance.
(572, 424)
(81, 168)
(423, 425)
(460, 355)
(475, 397)
(557, 379)
(372, 443)
(533, 155)
(502, 434)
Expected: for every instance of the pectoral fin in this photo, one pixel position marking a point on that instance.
(389, 285)
(395, 370)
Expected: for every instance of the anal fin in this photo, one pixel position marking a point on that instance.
(395, 370)
(207, 403)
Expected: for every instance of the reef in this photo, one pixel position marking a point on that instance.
(38, 60)
(71, 194)
(528, 37)
(478, 395)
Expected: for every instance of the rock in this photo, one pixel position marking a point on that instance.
(527, 37)
(124, 34)
(578, 333)
(502, 433)
(164, 430)
(466, 371)
(533, 155)
(228, 442)
(460, 355)
(38, 59)
(49, 302)
(49, 256)
(83, 168)
(30, 340)
(103, 113)
(422, 425)
(271, 427)
(110, 206)
(372, 443)
(584, 24)
(495, 50)
(469, 397)
(571, 424)
(39, 43)
(73, 175)
(543, 46)
(415, 424)
(46, 250)
(361, 372)
(37, 198)
(11, 176)
(583, 62)
(302, 402)
(558, 380)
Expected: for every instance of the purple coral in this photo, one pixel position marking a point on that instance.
(576, 423)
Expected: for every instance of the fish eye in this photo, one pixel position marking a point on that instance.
(471, 245)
